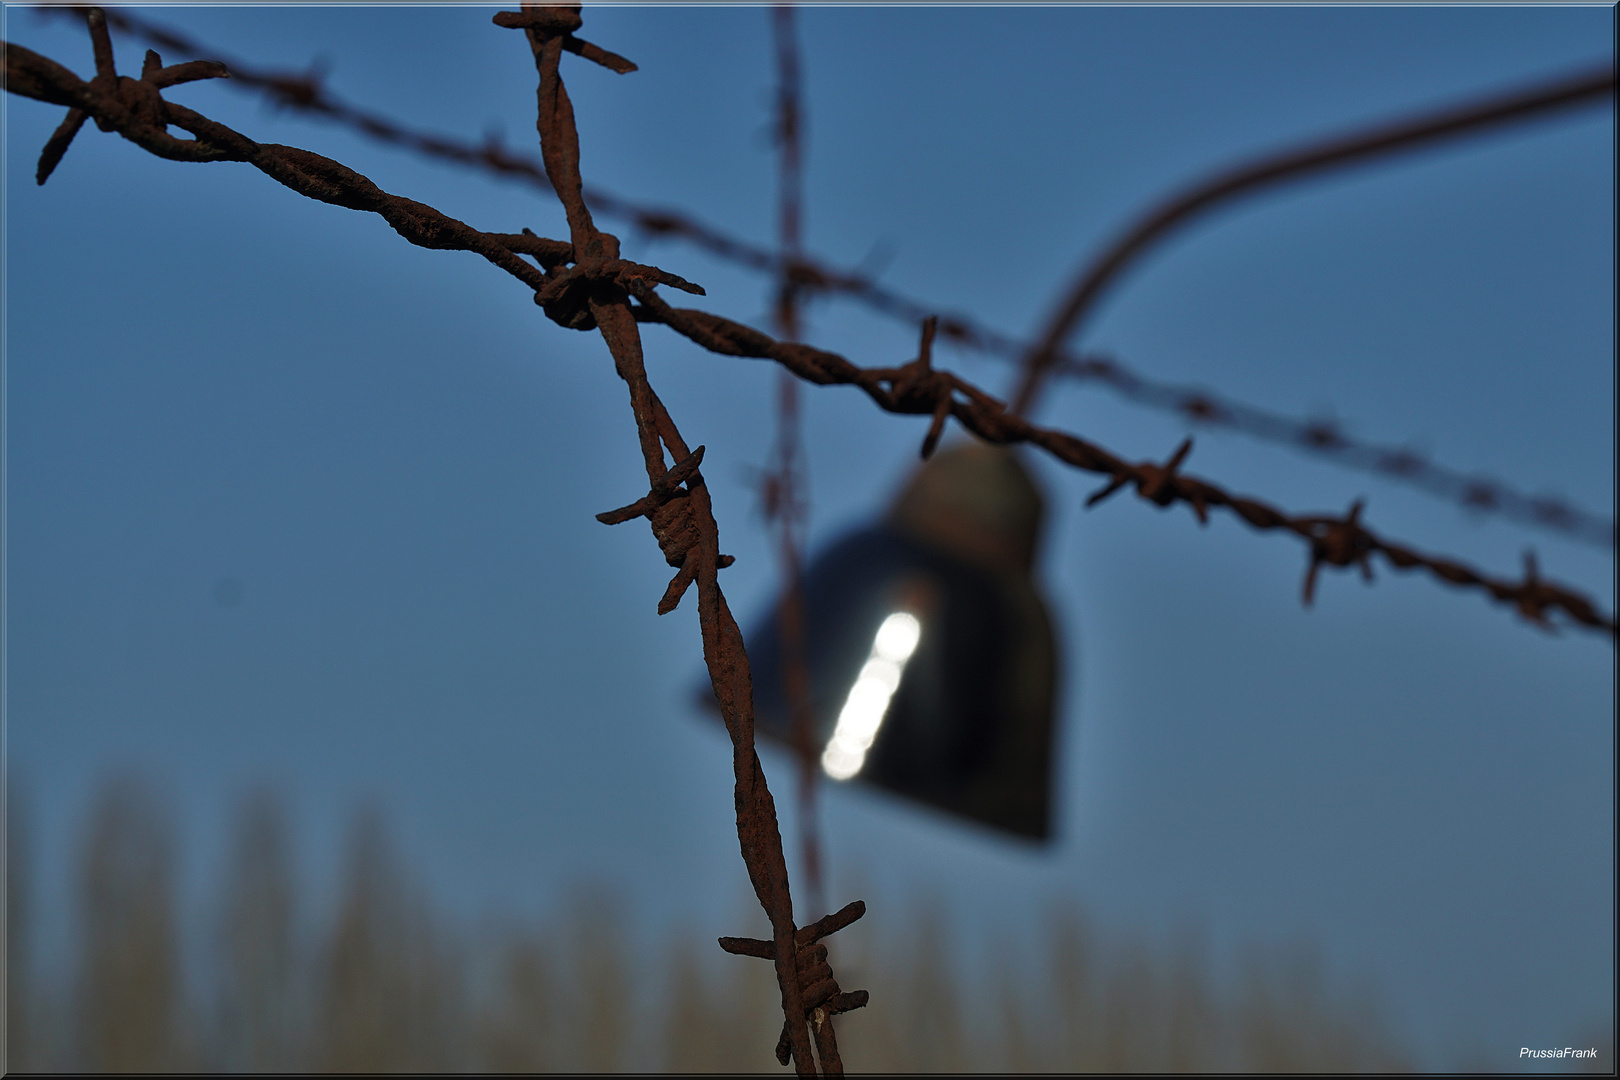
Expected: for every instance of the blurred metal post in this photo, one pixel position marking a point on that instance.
(785, 505)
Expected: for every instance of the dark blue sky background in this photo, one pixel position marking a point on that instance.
(399, 458)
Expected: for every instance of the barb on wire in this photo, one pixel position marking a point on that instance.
(1586, 88)
(897, 389)
(592, 293)
(583, 284)
(1341, 543)
(820, 989)
(137, 111)
(809, 276)
(1326, 438)
(683, 522)
(305, 91)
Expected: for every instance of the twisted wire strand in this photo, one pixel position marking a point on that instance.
(913, 389)
(583, 284)
(681, 515)
(803, 275)
(917, 389)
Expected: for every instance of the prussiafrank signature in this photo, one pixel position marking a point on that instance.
(1563, 1052)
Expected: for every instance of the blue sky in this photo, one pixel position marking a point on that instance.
(399, 458)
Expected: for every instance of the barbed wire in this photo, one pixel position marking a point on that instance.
(1326, 438)
(591, 292)
(136, 110)
(683, 523)
(801, 275)
(783, 487)
(582, 284)
(916, 388)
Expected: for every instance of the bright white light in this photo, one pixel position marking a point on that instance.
(883, 671)
(867, 696)
(841, 764)
(897, 637)
(858, 723)
(868, 699)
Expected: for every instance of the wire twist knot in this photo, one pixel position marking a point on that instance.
(823, 999)
(1338, 542)
(561, 22)
(567, 294)
(1159, 484)
(138, 99)
(917, 388)
(668, 509)
(1534, 597)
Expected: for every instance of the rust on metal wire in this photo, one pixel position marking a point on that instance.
(894, 390)
(1327, 439)
(582, 283)
(1341, 543)
(820, 989)
(679, 510)
(1321, 438)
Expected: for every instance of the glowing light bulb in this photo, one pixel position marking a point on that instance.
(897, 638)
(868, 699)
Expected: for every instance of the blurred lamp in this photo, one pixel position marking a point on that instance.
(929, 651)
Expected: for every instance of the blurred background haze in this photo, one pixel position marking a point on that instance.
(340, 734)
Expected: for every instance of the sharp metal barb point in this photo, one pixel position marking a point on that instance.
(597, 286)
(321, 178)
(303, 91)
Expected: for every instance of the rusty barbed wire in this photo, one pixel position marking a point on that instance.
(591, 293)
(134, 110)
(305, 91)
(819, 988)
(783, 487)
(916, 388)
(583, 284)
(683, 523)
(1327, 438)
(802, 275)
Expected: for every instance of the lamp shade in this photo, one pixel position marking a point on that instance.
(929, 652)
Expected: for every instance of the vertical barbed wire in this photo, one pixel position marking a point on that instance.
(786, 498)
(583, 284)
(595, 294)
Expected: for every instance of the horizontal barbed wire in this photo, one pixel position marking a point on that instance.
(916, 388)
(1322, 438)
(566, 280)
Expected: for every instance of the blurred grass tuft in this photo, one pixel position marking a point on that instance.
(387, 986)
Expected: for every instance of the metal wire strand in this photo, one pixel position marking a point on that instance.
(807, 276)
(583, 284)
(137, 111)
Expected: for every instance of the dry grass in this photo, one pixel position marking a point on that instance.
(385, 986)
